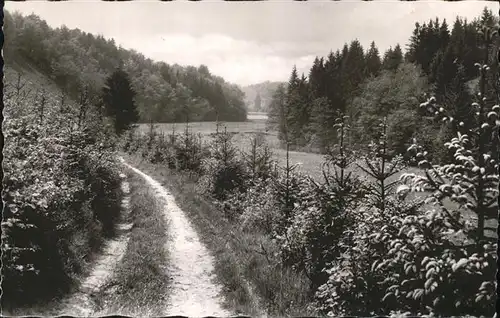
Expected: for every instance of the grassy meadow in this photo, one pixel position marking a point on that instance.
(308, 162)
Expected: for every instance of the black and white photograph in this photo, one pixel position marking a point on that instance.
(250, 158)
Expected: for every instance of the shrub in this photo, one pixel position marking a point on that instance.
(224, 173)
(398, 260)
(257, 207)
(61, 194)
(189, 152)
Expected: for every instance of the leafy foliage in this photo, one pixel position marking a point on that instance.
(75, 59)
(60, 189)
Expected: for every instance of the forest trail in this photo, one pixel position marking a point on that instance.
(192, 290)
(81, 303)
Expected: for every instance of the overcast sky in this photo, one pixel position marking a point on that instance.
(247, 42)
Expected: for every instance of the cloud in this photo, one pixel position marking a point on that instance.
(247, 42)
(238, 61)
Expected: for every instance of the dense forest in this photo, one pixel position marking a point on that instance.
(79, 61)
(368, 86)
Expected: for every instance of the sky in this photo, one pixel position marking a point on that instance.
(248, 42)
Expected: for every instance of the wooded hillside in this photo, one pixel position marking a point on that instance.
(76, 60)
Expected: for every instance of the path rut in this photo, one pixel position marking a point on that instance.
(81, 302)
(193, 291)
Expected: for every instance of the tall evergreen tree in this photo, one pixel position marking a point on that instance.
(413, 50)
(118, 99)
(258, 102)
(373, 62)
(322, 117)
(317, 79)
(392, 58)
(297, 105)
(293, 82)
(487, 18)
(443, 70)
(353, 68)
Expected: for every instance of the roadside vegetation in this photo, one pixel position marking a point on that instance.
(61, 192)
(245, 260)
(61, 186)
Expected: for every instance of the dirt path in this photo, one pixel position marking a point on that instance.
(193, 291)
(81, 303)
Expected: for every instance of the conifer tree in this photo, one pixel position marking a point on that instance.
(317, 79)
(258, 102)
(118, 98)
(278, 111)
(392, 58)
(373, 62)
(413, 49)
(353, 68)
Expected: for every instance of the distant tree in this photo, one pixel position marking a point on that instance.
(353, 66)
(118, 98)
(317, 79)
(75, 59)
(322, 116)
(487, 18)
(426, 41)
(278, 111)
(258, 102)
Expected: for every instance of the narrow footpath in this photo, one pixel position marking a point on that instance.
(193, 291)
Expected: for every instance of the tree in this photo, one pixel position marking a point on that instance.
(353, 66)
(278, 112)
(258, 102)
(373, 62)
(393, 58)
(118, 98)
(392, 94)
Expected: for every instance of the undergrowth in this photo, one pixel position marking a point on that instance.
(61, 191)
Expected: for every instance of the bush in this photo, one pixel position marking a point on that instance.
(189, 152)
(223, 172)
(398, 260)
(61, 193)
(256, 207)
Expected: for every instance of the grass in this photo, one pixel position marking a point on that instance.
(251, 284)
(308, 162)
(141, 281)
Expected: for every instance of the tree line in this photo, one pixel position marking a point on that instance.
(369, 86)
(79, 61)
